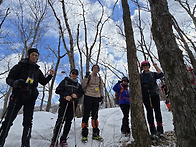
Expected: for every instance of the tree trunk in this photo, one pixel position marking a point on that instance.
(138, 122)
(186, 47)
(182, 96)
(52, 85)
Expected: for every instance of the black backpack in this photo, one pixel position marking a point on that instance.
(154, 84)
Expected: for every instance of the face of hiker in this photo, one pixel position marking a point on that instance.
(125, 83)
(74, 74)
(145, 67)
(33, 57)
(95, 69)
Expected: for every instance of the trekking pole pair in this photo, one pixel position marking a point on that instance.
(4, 135)
(62, 121)
(61, 124)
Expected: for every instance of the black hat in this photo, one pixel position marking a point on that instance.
(74, 71)
(125, 79)
(32, 50)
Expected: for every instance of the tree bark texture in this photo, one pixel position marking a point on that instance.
(138, 122)
(182, 96)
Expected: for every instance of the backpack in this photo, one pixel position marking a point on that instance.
(117, 97)
(155, 86)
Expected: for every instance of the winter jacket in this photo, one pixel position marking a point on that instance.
(148, 82)
(67, 87)
(124, 97)
(23, 70)
(94, 88)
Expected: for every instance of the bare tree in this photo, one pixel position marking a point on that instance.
(182, 96)
(98, 35)
(186, 6)
(4, 17)
(62, 29)
(138, 122)
(183, 40)
(29, 27)
(58, 57)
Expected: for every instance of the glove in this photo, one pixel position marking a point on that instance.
(18, 83)
(101, 100)
(87, 74)
(119, 81)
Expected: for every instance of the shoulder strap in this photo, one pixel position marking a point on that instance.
(65, 82)
(121, 90)
(89, 78)
(99, 81)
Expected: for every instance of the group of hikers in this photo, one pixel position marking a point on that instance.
(25, 76)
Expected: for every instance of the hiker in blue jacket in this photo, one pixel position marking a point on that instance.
(151, 97)
(124, 102)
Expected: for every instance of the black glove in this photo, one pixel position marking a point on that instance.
(18, 83)
(101, 100)
(87, 74)
(119, 81)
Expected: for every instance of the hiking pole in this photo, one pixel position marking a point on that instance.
(3, 115)
(74, 112)
(8, 126)
(61, 124)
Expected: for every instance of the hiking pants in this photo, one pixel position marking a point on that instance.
(91, 106)
(125, 121)
(13, 109)
(152, 102)
(67, 120)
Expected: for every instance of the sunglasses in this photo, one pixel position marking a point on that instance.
(145, 65)
(74, 73)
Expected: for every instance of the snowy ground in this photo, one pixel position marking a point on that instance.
(109, 124)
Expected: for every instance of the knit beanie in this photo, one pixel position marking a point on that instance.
(32, 50)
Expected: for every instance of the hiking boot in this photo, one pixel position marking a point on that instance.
(161, 135)
(84, 139)
(64, 143)
(153, 136)
(97, 137)
(53, 145)
(153, 132)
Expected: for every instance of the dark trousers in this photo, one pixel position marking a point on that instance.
(91, 106)
(67, 120)
(13, 109)
(152, 102)
(125, 121)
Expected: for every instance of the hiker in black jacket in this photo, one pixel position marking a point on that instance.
(24, 78)
(151, 97)
(70, 91)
